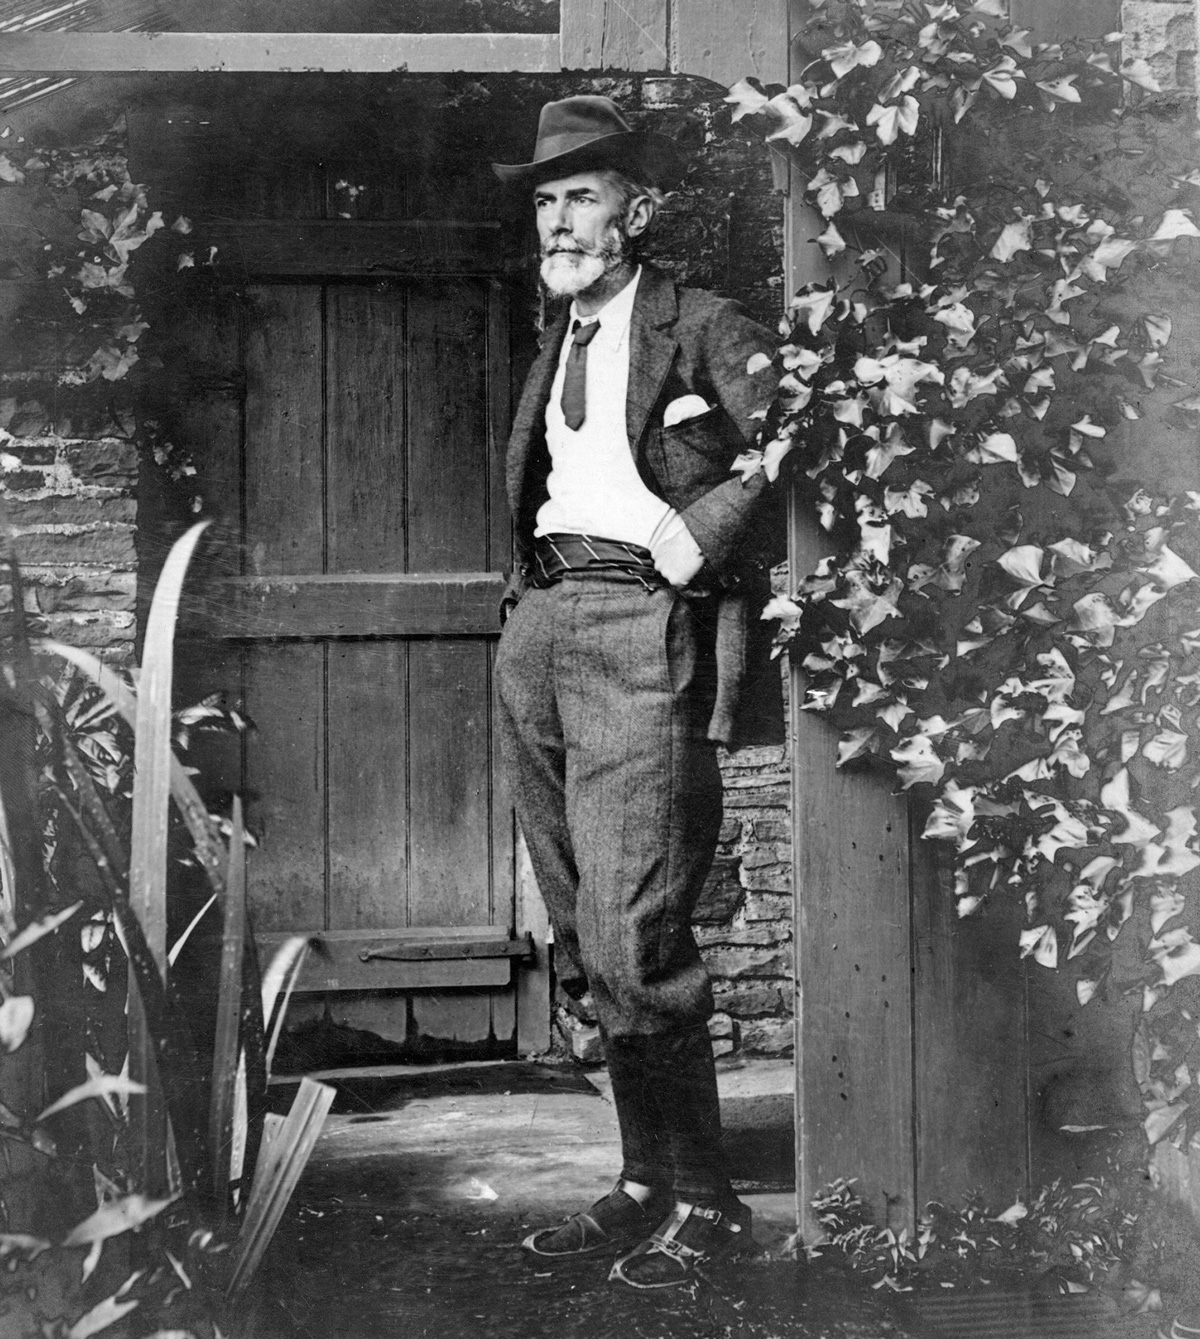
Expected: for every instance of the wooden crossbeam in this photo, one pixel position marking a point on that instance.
(376, 604)
(249, 53)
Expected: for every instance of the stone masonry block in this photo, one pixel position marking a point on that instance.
(98, 629)
(72, 510)
(772, 829)
(769, 878)
(659, 93)
(768, 1036)
(733, 964)
(731, 831)
(721, 1025)
(112, 546)
(722, 893)
(756, 796)
(103, 461)
(101, 589)
(763, 934)
(767, 907)
(752, 999)
(31, 453)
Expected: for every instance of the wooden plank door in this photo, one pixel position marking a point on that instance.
(369, 474)
(350, 436)
(363, 532)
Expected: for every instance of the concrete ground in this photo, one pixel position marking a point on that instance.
(409, 1216)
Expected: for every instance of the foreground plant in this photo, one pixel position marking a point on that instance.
(1008, 612)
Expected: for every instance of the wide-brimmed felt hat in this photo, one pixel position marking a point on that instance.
(586, 132)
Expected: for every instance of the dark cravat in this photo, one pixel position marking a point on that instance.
(574, 391)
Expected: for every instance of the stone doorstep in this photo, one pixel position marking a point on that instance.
(756, 1095)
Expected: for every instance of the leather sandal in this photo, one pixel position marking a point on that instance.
(690, 1236)
(612, 1223)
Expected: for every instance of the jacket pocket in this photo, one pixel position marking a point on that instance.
(694, 456)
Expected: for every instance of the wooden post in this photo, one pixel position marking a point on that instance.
(853, 1007)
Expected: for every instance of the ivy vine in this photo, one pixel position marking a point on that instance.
(1002, 618)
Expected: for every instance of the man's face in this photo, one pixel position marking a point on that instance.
(582, 229)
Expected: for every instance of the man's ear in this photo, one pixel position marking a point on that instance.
(638, 215)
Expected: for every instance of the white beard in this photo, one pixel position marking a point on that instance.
(566, 273)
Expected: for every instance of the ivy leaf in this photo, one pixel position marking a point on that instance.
(1014, 237)
(959, 321)
(899, 83)
(1003, 76)
(791, 112)
(995, 449)
(1138, 72)
(952, 816)
(1042, 943)
(1177, 955)
(966, 385)
(1157, 328)
(16, 1018)
(1178, 857)
(1138, 830)
(850, 153)
(831, 123)
(843, 59)
(786, 610)
(1023, 563)
(951, 574)
(918, 761)
(1157, 1124)
(1176, 223)
(1168, 570)
(910, 501)
(866, 608)
(1167, 749)
(831, 242)
(1107, 256)
(1018, 40)
(1059, 90)
(746, 99)
(1072, 557)
(854, 743)
(890, 121)
(814, 307)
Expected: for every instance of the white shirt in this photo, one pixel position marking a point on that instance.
(594, 484)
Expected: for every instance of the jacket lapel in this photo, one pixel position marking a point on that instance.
(529, 422)
(652, 349)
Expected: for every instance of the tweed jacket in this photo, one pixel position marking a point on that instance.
(685, 341)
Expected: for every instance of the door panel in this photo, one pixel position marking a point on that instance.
(368, 785)
(370, 430)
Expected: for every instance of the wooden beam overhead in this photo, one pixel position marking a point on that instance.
(250, 53)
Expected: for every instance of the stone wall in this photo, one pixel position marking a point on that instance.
(1162, 32)
(71, 509)
(744, 920)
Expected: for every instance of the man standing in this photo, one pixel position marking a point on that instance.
(632, 647)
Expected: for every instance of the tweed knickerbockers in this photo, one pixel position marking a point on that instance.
(605, 693)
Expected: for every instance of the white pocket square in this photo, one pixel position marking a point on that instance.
(687, 406)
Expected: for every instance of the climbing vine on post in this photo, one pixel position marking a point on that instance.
(1004, 618)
